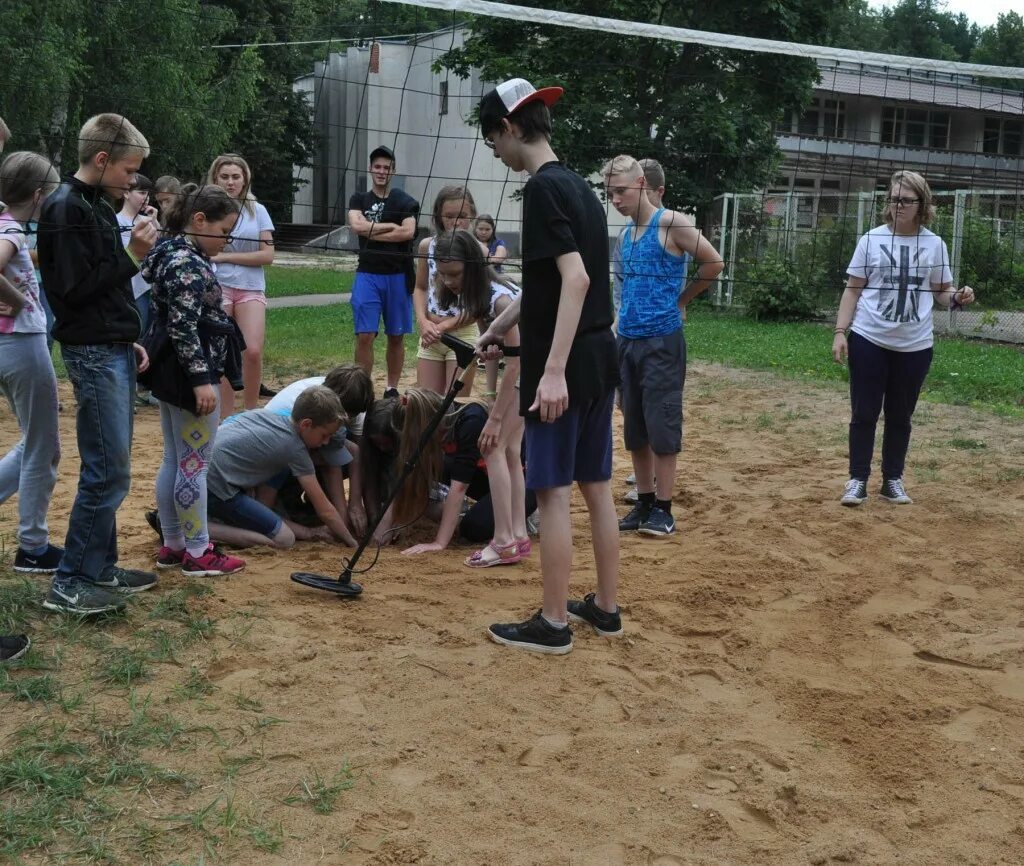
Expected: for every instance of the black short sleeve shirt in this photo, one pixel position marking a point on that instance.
(384, 257)
(561, 215)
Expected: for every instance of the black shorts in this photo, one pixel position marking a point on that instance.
(653, 372)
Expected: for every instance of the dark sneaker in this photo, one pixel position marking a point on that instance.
(82, 598)
(13, 646)
(658, 523)
(390, 392)
(126, 580)
(168, 557)
(605, 624)
(894, 491)
(153, 519)
(211, 564)
(535, 634)
(639, 513)
(45, 563)
(855, 492)
(267, 392)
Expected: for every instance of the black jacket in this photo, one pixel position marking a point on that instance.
(86, 272)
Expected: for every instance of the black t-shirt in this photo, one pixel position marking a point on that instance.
(561, 214)
(462, 459)
(384, 257)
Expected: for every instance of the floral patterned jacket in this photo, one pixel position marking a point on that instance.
(185, 296)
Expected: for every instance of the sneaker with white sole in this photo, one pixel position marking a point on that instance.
(168, 557)
(535, 634)
(82, 598)
(636, 516)
(45, 563)
(894, 491)
(855, 492)
(213, 563)
(125, 580)
(13, 647)
(632, 496)
(658, 523)
(604, 623)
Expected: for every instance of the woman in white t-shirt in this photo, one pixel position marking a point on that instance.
(897, 273)
(240, 274)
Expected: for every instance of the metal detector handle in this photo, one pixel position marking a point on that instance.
(506, 351)
(464, 352)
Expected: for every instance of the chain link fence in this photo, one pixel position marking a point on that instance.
(810, 236)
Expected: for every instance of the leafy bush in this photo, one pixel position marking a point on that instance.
(775, 290)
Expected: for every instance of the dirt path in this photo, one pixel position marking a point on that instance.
(800, 683)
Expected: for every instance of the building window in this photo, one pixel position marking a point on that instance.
(823, 118)
(915, 127)
(1003, 137)
(443, 108)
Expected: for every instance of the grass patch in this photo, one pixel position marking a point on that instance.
(320, 793)
(284, 282)
(964, 372)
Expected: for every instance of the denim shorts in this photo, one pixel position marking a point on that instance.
(576, 447)
(244, 512)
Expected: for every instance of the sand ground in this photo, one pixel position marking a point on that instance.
(799, 683)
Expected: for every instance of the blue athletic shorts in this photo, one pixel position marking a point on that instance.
(244, 512)
(381, 295)
(576, 447)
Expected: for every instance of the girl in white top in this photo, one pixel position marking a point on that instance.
(897, 274)
(454, 208)
(466, 282)
(27, 379)
(240, 274)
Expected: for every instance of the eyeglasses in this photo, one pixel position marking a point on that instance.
(903, 200)
(488, 143)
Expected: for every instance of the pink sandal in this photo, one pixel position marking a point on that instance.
(507, 555)
(525, 546)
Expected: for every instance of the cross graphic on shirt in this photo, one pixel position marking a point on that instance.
(903, 284)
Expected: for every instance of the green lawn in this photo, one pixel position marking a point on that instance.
(964, 372)
(285, 282)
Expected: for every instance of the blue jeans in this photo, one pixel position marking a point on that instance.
(103, 377)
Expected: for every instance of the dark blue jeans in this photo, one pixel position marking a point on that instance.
(103, 377)
(882, 379)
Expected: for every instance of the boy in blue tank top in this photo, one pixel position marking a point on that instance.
(657, 248)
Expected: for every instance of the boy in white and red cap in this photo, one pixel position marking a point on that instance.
(569, 363)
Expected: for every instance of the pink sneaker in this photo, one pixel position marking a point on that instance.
(170, 558)
(211, 564)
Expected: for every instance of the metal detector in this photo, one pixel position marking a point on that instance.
(344, 585)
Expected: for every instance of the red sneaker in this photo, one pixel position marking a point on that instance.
(211, 564)
(170, 558)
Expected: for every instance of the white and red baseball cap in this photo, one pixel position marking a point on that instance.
(510, 96)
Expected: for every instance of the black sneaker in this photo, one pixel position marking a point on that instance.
(894, 491)
(605, 624)
(267, 392)
(82, 598)
(153, 519)
(639, 513)
(535, 634)
(45, 563)
(658, 523)
(126, 580)
(13, 646)
(855, 493)
(390, 392)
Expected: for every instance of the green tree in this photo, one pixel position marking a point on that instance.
(1002, 44)
(707, 114)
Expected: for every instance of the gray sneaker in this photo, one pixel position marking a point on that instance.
(126, 580)
(82, 598)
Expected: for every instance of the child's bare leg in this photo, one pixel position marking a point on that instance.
(513, 437)
(664, 474)
(644, 468)
(604, 534)
(556, 551)
(430, 374)
(236, 537)
(501, 497)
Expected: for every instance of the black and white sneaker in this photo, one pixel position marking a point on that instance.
(659, 523)
(604, 623)
(126, 580)
(637, 515)
(389, 393)
(82, 598)
(894, 491)
(153, 519)
(45, 563)
(855, 493)
(535, 634)
(267, 392)
(13, 646)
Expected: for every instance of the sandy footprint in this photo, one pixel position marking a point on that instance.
(544, 749)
